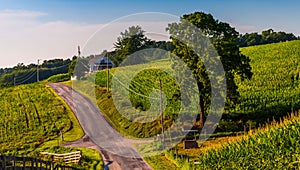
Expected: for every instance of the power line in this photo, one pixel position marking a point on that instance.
(139, 94)
(137, 84)
(31, 73)
(25, 77)
(25, 80)
(53, 68)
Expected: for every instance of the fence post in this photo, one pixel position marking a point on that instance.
(36, 164)
(14, 162)
(41, 165)
(3, 162)
(24, 163)
(32, 163)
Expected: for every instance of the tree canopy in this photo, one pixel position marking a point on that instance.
(130, 41)
(224, 39)
(266, 37)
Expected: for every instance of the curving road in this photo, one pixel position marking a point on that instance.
(117, 151)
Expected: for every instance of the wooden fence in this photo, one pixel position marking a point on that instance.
(73, 157)
(26, 163)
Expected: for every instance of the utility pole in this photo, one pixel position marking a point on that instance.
(161, 112)
(107, 80)
(37, 71)
(79, 51)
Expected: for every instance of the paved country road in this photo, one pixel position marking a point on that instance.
(117, 151)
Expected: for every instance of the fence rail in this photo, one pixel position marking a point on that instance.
(73, 157)
(26, 163)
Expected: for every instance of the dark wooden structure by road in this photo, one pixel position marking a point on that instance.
(26, 163)
(190, 140)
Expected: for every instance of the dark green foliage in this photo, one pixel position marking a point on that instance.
(101, 77)
(59, 78)
(22, 74)
(72, 66)
(224, 39)
(130, 41)
(266, 37)
(133, 40)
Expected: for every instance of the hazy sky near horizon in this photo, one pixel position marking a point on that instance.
(40, 29)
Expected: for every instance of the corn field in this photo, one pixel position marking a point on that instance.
(274, 88)
(273, 147)
(30, 115)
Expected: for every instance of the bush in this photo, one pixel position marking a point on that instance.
(59, 78)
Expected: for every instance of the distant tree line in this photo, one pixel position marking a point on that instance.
(24, 74)
(266, 37)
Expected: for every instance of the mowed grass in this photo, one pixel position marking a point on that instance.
(32, 117)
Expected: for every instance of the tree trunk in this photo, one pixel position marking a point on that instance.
(202, 111)
(200, 116)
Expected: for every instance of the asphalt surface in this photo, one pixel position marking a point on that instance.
(117, 151)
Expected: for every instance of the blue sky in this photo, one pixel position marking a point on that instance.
(40, 29)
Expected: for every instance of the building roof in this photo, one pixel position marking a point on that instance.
(94, 59)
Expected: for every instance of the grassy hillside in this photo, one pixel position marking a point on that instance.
(274, 147)
(31, 119)
(273, 91)
(140, 88)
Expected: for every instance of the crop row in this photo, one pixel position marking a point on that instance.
(276, 147)
(30, 114)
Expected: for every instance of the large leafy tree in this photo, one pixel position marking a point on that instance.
(130, 41)
(224, 39)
